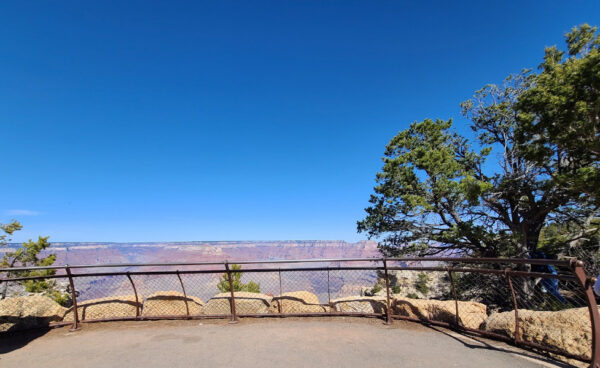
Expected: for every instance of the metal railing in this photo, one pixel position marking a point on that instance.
(505, 299)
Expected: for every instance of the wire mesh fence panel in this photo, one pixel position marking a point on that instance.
(357, 291)
(538, 303)
(200, 289)
(483, 295)
(104, 297)
(211, 288)
(426, 295)
(553, 313)
(590, 257)
(56, 288)
(162, 295)
(433, 285)
(302, 292)
(254, 291)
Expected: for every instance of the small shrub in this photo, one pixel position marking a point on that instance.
(236, 280)
(376, 288)
(252, 287)
(49, 289)
(412, 296)
(421, 284)
(396, 289)
(63, 299)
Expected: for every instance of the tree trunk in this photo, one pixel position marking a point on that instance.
(530, 237)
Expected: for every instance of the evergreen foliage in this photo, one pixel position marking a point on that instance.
(236, 280)
(436, 194)
(28, 254)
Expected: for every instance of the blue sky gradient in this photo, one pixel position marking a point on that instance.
(166, 121)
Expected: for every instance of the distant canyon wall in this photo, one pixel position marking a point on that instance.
(158, 252)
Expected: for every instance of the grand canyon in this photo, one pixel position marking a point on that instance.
(204, 285)
(204, 251)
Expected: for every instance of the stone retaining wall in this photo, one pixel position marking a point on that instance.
(297, 302)
(171, 303)
(568, 330)
(471, 314)
(109, 307)
(245, 303)
(26, 312)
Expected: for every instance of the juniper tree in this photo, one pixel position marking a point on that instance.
(436, 193)
(559, 130)
(29, 254)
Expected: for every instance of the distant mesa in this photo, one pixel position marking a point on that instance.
(206, 251)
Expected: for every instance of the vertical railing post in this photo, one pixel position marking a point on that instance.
(516, 305)
(586, 285)
(456, 316)
(234, 318)
(280, 300)
(73, 299)
(388, 313)
(328, 292)
(185, 299)
(137, 302)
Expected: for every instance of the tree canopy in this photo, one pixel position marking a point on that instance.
(535, 164)
(29, 254)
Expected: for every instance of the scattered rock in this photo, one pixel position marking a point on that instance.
(245, 303)
(26, 312)
(15, 289)
(361, 304)
(471, 314)
(568, 330)
(109, 307)
(297, 302)
(171, 303)
(434, 285)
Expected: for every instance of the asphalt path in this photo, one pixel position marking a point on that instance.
(273, 343)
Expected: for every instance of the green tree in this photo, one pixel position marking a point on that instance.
(236, 281)
(436, 193)
(559, 130)
(28, 254)
(559, 115)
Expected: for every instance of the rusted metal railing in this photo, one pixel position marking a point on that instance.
(234, 317)
(73, 298)
(137, 300)
(571, 272)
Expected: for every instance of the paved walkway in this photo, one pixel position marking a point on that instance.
(284, 343)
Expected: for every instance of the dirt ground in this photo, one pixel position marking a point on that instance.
(286, 343)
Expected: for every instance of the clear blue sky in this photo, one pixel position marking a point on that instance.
(155, 121)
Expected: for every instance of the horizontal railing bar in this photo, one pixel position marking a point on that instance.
(109, 265)
(488, 271)
(532, 261)
(120, 273)
(348, 268)
(12, 279)
(264, 270)
(173, 272)
(542, 275)
(308, 260)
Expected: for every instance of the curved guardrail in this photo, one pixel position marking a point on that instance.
(545, 305)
